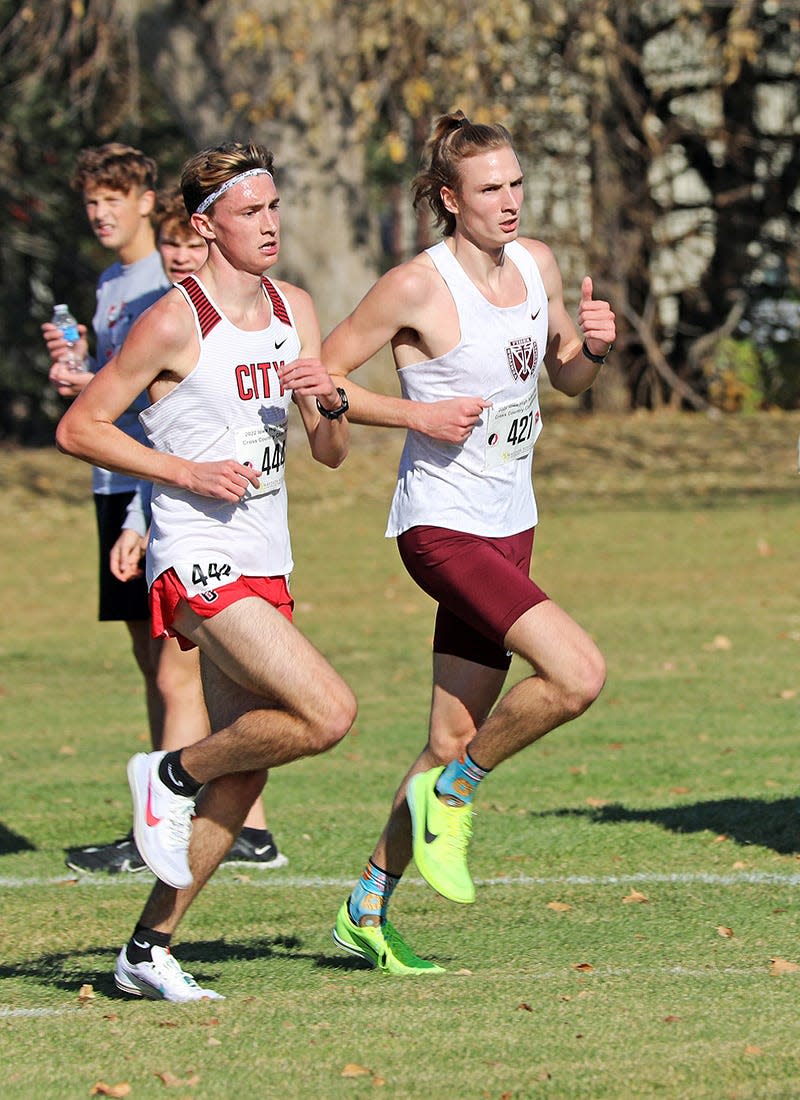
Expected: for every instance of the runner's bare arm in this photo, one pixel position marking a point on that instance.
(396, 302)
(568, 368)
(308, 380)
(156, 343)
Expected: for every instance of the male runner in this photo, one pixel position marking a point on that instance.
(221, 356)
(470, 322)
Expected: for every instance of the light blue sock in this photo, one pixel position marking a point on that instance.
(370, 897)
(459, 779)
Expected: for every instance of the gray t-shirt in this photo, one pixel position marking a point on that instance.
(123, 293)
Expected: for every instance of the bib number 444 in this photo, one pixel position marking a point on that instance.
(212, 572)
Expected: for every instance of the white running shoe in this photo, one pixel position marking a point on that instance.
(162, 821)
(159, 980)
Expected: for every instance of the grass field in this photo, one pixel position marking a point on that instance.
(635, 933)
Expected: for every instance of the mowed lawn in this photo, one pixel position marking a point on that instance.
(635, 932)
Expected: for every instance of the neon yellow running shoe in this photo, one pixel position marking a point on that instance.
(440, 835)
(381, 945)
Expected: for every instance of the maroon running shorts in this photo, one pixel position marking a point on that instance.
(482, 586)
(167, 591)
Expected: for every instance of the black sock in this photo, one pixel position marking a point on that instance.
(173, 775)
(142, 942)
(256, 836)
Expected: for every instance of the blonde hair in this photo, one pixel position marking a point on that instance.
(453, 140)
(209, 169)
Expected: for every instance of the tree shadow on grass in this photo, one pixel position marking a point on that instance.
(11, 842)
(69, 970)
(770, 824)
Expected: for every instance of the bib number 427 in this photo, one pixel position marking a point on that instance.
(521, 430)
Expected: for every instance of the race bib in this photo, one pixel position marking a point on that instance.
(512, 428)
(263, 449)
(206, 573)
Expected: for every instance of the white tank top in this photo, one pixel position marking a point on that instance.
(232, 405)
(484, 485)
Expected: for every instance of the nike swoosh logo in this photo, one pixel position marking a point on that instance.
(279, 344)
(173, 778)
(261, 851)
(149, 816)
(144, 946)
(429, 836)
(536, 314)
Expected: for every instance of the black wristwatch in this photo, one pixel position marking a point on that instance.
(596, 358)
(334, 414)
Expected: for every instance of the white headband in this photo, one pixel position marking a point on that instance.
(220, 191)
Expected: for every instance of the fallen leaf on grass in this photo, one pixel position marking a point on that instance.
(353, 1069)
(724, 931)
(679, 790)
(585, 967)
(720, 642)
(780, 966)
(102, 1089)
(524, 1007)
(67, 750)
(213, 1041)
(671, 1019)
(558, 906)
(597, 803)
(172, 1081)
(85, 993)
(753, 1050)
(634, 897)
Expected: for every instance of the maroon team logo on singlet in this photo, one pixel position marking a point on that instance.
(522, 356)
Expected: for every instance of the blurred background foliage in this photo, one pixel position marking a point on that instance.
(660, 142)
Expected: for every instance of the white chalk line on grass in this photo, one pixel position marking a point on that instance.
(274, 880)
(6, 1012)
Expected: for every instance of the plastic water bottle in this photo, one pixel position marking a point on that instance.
(68, 326)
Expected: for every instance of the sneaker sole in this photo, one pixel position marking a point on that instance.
(124, 869)
(366, 956)
(353, 949)
(133, 990)
(280, 860)
(150, 993)
(136, 765)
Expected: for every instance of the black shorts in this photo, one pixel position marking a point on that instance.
(119, 601)
(482, 586)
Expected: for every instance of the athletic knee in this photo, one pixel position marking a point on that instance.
(447, 745)
(334, 719)
(585, 685)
